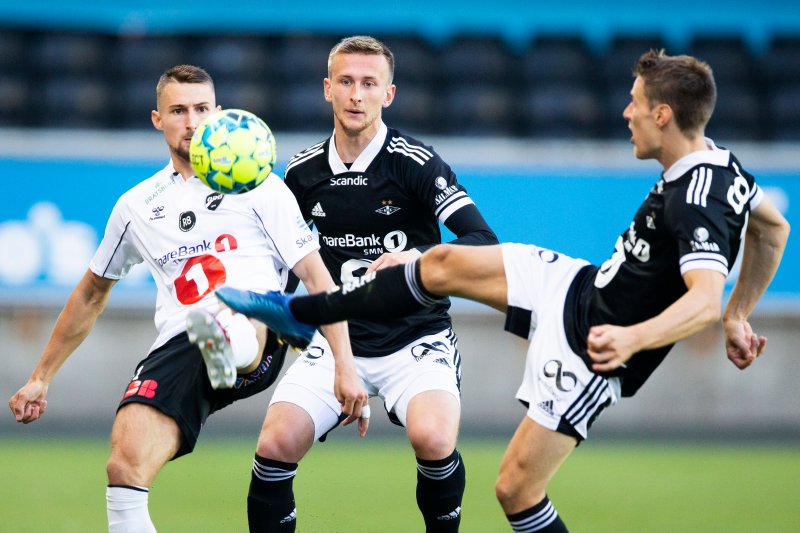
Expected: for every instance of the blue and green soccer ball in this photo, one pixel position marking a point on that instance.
(232, 151)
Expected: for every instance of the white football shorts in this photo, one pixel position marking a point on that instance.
(431, 362)
(561, 393)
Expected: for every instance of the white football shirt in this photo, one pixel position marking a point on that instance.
(195, 240)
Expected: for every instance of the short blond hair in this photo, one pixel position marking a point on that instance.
(363, 44)
(182, 74)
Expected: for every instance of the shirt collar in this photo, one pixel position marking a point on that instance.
(713, 156)
(364, 158)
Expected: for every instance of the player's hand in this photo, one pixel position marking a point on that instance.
(610, 346)
(352, 396)
(393, 258)
(742, 345)
(29, 403)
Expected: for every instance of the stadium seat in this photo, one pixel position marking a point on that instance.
(414, 109)
(134, 100)
(14, 46)
(738, 114)
(303, 57)
(76, 102)
(616, 73)
(562, 110)
(476, 110)
(729, 58)
(618, 60)
(71, 54)
(251, 96)
(303, 108)
(415, 59)
(477, 60)
(245, 57)
(780, 63)
(783, 117)
(147, 57)
(15, 102)
(565, 59)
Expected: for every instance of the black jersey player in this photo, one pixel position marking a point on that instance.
(376, 197)
(600, 330)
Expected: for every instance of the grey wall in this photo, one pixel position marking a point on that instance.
(695, 393)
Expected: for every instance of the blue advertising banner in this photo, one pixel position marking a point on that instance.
(55, 216)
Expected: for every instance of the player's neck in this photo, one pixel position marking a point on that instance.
(349, 145)
(184, 168)
(676, 147)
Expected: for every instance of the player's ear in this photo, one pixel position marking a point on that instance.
(663, 115)
(326, 85)
(155, 116)
(389, 97)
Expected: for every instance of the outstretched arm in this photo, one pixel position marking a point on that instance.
(765, 240)
(611, 346)
(347, 386)
(73, 325)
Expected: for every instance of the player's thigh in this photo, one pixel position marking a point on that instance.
(432, 423)
(143, 439)
(532, 458)
(473, 272)
(287, 433)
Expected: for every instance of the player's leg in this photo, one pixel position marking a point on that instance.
(420, 387)
(474, 272)
(143, 439)
(432, 424)
(303, 408)
(230, 343)
(533, 456)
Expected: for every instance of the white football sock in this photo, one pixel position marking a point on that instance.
(242, 336)
(127, 510)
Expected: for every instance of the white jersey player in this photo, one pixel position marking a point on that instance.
(193, 240)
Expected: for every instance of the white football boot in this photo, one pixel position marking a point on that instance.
(207, 334)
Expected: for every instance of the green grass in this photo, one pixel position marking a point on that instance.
(368, 486)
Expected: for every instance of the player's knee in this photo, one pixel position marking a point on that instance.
(434, 267)
(287, 447)
(431, 444)
(513, 492)
(122, 471)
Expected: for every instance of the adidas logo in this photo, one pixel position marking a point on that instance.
(317, 211)
(291, 517)
(452, 515)
(547, 407)
(442, 361)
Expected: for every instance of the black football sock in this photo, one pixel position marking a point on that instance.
(542, 517)
(393, 292)
(270, 502)
(440, 488)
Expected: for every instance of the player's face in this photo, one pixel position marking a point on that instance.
(181, 108)
(641, 117)
(358, 89)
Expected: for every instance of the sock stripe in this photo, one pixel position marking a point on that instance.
(271, 473)
(438, 472)
(416, 290)
(537, 522)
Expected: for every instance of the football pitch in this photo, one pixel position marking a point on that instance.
(58, 485)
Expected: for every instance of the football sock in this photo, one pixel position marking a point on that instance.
(241, 335)
(126, 506)
(541, 517)
(270, 502)
(393, 292)
(440, 488)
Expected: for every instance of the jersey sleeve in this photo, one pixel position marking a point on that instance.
(435, 184)
(117, 252)
(700, 215)
(283, 222)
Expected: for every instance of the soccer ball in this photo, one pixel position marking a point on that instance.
(232, 151)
